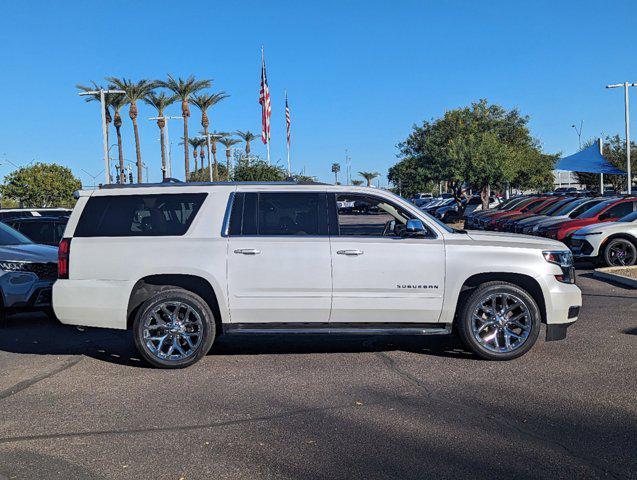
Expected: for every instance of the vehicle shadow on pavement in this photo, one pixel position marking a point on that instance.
(40, 335)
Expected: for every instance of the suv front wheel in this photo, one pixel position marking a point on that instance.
(174, 328)
(499, 321)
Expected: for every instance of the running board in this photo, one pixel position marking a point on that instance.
(338, 328)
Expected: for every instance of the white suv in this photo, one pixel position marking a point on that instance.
(180, 264)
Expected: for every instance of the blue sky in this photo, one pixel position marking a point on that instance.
(358, 74)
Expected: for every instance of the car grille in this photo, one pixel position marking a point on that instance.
(44, 271)
(581, 247)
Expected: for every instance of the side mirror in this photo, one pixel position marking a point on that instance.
(415, 228)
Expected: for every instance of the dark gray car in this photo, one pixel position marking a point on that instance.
(27, 272)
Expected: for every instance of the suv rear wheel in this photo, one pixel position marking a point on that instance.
(174, 328)
(499, 321)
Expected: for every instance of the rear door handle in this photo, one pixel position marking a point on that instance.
(351, 253)
(248, 251)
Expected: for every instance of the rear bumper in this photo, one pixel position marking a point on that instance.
(92, 303)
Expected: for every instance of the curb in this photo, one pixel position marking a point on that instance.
(607, 274)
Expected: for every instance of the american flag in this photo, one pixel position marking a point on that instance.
(287, 118)
(264, 100)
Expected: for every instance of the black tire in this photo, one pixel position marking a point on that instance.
(630, 248)
(177, 296)
(532, 320)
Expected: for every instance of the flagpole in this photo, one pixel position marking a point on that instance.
(267, 137)
(286, 135)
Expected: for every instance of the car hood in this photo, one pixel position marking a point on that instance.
(515, 240)
(608, 227)
(29, 252)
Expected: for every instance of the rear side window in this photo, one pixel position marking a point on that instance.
(279, 214)
(139, 215)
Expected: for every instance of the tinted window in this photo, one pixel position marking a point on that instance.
(139, 215)
(583, 207)
(39, 232)
(362, 215)
(631, 217)
(618, 211)
(8, 236)
(290, 213)
(593, 211)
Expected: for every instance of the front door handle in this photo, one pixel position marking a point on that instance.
(248, 251)
(351, 253)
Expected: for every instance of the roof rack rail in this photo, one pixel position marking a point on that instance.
(179, 183)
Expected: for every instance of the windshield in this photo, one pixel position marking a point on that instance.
(631, 217)
(594, 211)
(558, 206)
(569, 207)
(9, 236)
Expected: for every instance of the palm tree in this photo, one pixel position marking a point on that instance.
(336, 167)
(369, 176)
(135, 91)
(194, 143)
(118, 101)
(228, 142)
(203, 102)
(184, 89)
(357, 183)
(160, 101)
(214, 138)
(247, 137)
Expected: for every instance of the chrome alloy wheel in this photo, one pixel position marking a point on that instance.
(621, 253)
(172, 331)
(501, 322)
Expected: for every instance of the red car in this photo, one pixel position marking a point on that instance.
(527, 206)
(503, 222)
(607, 211)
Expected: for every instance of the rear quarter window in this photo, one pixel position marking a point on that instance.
(139, 215)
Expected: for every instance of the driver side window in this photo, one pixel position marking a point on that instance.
(369, 216)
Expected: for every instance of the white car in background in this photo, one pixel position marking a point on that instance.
(613, 243)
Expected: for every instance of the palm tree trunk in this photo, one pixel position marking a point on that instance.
(205, 132)
(228, 165)
(369, 182)
(120, 151)
(138, 152)
(215, 173)
(163, 153)
(194, 154)
(186, 159)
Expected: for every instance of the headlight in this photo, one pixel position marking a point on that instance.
(12, 266)
(564, 259)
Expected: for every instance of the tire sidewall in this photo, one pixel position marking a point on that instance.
(607, 250)
(195, 302)
(464, 321)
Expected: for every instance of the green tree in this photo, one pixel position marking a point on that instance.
(247, 137)
(184, 88)
(257, 170)
(134, 92)
(160, 101)
(480, 146)
(369, 176)
(203, 174)
(41, 185)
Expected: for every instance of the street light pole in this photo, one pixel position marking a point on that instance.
(627, 117)
(102, 94)
(579, 132)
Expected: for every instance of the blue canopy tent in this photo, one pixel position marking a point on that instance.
(589, 160)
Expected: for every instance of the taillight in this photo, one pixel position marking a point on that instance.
(64, 251)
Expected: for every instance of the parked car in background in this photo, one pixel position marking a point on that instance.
(567, 211)
(7, 213)
(508, 223)
(27, 272)
(44, 230)
(613, 244)
(518, 225)
(532, 204)
(607, 211)
(472, 218)
(181, 264)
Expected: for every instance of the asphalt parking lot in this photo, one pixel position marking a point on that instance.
(80, 404)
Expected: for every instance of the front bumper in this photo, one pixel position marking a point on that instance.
(582, 248)
(563, 302)
(24, 290)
